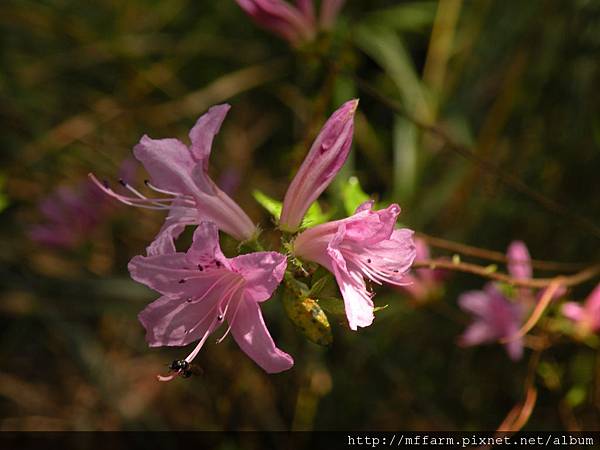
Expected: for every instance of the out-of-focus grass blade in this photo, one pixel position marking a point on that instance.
(411, 16)
(405, 159)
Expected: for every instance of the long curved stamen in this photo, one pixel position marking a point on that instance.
(226, 296)
(237, 307)
(154, 201)
(130, 201)
(161, 191)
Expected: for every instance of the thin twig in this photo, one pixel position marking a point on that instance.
(539, 309)
(467, 153)
(495, 256)
(565, 280)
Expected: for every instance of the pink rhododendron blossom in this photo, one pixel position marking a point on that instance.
(324, 160)
(495, 318)
(202, 289)
(296, 24)
(181, 172)
(500, 317)
(587, 316)
(423, 283)
(364, 245)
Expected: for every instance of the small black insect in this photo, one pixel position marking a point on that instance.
(185, 369)
(179, 365)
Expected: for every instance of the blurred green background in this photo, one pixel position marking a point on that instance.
(81, 82)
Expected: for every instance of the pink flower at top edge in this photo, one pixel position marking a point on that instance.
(324, 160)
(181, 173)
(364, 245)
(296, 24)
(202, 289)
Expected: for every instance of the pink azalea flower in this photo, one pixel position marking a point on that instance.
(495, 318)
(296, 24)
(324, 160)
(587, 316)
(181, 172)
(364, 245)
(202, 289)
(423, 282)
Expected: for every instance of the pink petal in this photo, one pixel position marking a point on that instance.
(179, 216)
(251, 334)
(475, 302)
(173, 321)
(262, 272)
(573, 311)
(169, 163)
(519, 264)
(324, 160)
(514, 348)
(477, 333)
(205, 248)
(204, 132)
(357, 300)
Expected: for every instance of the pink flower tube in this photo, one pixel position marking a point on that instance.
(202, 289)
(324, 160)
(364, 245)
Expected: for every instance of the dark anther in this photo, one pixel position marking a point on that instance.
(200, 268)
(105, 183)
(181, 281)
(219, 317)
(146, 182)
(369, 261)
(395, 270)
(218, 263)
(186, 373)
(123, 182)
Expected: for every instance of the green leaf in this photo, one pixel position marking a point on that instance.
(353, 195)
(271, 205)
(332, 305)
(314, 215)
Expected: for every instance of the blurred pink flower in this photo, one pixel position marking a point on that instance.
(364, 245)
(181, 172)
(296, 24)
(587, 316)
(202, 288)
(324, 160)
(495, 318)
(71, 214)
(423, 282)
